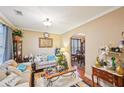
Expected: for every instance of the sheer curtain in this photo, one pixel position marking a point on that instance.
(7, 43)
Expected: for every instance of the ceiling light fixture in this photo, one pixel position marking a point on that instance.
(47, 22)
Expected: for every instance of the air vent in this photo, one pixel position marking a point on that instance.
(18, 12)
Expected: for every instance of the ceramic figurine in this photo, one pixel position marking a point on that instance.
(113, 63)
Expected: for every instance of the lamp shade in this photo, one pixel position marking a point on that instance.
(63, 50)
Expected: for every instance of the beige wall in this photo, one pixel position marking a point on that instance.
(102, 31)
(31, 42)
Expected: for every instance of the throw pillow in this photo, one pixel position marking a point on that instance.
(14, 70)
(10, 81)
(3, 68)
(2, 75)
(51, 58)
(44, 58)
(26, 84)
(21, 67)
(3, 84)
(11, 63)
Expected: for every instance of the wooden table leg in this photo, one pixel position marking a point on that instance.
(32, 79)
(97, 81)
(93, 80)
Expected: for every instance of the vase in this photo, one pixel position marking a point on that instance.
(97, 64)
(120, 70)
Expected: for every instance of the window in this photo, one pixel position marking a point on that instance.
(1, 44)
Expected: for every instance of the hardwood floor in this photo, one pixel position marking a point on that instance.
(88, 81)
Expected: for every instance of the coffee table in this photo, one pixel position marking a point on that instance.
(50, 77)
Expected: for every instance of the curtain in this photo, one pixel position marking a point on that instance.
(7, 43)
(1, 43)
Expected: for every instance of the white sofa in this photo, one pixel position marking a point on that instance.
(23, 78)
(43, 62)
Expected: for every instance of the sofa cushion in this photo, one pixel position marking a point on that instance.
(11, 63)
(10, 81)
(25, 77)
(14, 70)
(3, 68)
(3, 71)
(2, 75)
(26, 84)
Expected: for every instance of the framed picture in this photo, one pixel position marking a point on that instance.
(45, 42)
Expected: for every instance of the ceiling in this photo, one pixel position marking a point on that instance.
(64, 18)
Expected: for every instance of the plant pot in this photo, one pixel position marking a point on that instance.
(17, 38)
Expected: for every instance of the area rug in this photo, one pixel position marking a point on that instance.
(68, 81)
(80, 84)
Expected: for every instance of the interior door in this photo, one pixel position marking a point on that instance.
(75, 47)
(77, 52)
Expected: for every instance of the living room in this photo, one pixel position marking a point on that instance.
(37, 46)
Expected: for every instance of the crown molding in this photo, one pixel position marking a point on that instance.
(36, 30)
(6, 21)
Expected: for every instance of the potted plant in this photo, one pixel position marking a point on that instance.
(62, 63)
(17, 34)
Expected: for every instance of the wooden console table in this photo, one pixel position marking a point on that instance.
(109, 76)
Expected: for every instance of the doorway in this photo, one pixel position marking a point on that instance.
(78, 50)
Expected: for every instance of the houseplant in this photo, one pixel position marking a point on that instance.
(17, 34)
(62, 62)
